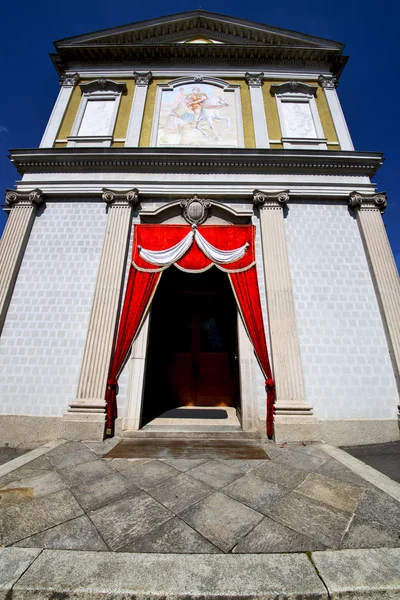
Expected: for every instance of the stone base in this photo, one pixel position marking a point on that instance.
(354, 432)
(27, 431)
(83, 427)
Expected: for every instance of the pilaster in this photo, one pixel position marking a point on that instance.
(14, 240)
(67, 83)
(329, 84)
(382, 266)
(142, 81)
(254, 81)
(293, 414)
(86, 414)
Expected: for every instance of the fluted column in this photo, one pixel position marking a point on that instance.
(382, 267)
(329, 84)
(254, 81)
(89, 404)
(291, 407)
(14, 240)
(142, 81)
(67, 83)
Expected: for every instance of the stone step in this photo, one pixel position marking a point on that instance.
(198, 435)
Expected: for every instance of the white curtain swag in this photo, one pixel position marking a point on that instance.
(171, 255)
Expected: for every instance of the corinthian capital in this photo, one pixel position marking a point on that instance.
(367, 202)
(32, 198)
(120, 197)
(143, 78)
(328, 82)
(270, 200)
(69, 80)
(254, 79)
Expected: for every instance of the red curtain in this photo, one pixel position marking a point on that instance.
(139, 293)
(144, 278)
(245, 288)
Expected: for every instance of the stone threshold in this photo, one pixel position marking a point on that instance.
(28, 573)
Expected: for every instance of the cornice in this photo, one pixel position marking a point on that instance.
(45, 160)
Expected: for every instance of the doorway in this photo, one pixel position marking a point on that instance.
(192, 356)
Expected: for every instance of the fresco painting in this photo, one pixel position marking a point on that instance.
(197, 115)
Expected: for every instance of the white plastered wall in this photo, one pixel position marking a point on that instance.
(43, 338)
(347, 368)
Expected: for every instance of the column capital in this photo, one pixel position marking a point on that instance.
(367, 202)
(254, 79)
(69, 80)
(120, 198)
(328, 82)
(32, 198)
(270, 200)
(143, 78)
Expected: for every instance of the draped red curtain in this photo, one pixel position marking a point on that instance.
(246, 291)
(144, 278)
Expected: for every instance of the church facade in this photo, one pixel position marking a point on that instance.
(196, 231)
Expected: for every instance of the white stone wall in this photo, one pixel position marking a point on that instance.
(347, 368)
(44, 334)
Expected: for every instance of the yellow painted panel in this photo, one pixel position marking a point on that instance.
(273, 123)
(271, 112)
(145, 134)
(124, 110)
(276, 146)
(326, 118)
(60, 145)
(70, 113)
(117, 144)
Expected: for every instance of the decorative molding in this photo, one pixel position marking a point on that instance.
(44, 160)
(34, 197)
(104, 85)
(368, 202)
(254, 79)
(294, 87)
(120, 197)
(69, 80)
(329, 82)
(270, 200)
(143, 78)
(195, 210)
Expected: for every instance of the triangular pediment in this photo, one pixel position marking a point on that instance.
(195, 26)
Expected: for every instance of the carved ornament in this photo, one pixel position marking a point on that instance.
(69, 80)
(254, 79)
(120, 197)
(270, 200)
(104, 85)
(364, 201)
(143, 78)
(32, 198)
(195, 210)
(294, 86)
(328, 82)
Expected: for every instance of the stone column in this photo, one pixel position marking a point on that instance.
(139, 100)
(86, 414)
(14, 240)
(382, 266)
(67, 83)
(254, 81)
(293, 414)
(329, 84)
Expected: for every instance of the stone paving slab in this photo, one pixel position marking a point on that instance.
(255, 492)
(31, 487)
(13, 563)
(178, 493)
(28, 518)
(325, 489)
(103, 491)
(216, 474)
(359, 574)
(362, 532)
(76, 534)
(95, 576)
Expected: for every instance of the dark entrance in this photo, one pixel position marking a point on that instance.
(192, 356)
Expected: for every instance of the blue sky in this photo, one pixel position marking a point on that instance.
(369, 87)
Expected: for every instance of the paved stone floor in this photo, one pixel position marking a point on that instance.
(301, 500)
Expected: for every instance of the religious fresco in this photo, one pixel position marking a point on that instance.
(197, 115)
